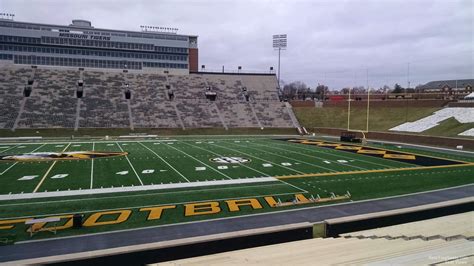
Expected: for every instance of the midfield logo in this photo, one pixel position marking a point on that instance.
(232, 160)
(52, 156)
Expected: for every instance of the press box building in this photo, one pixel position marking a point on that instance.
(82, 45)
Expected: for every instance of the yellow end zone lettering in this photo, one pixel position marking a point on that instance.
(400, 156)
(155, 212)
(203, 208)
(371, 151)
(93, 220)
(9, 224)
(234, 204)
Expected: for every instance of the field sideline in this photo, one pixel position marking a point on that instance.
(182, 179)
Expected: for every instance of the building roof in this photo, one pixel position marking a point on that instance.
(439, 84)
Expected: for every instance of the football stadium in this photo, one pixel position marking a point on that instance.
(117, 147)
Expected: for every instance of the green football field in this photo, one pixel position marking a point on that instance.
(172, 180)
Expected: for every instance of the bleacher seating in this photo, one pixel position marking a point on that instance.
(104, 104)
(54, 103)
(462, 115)
(12, 84)
(359, 250)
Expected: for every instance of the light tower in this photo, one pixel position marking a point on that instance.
(279, 43)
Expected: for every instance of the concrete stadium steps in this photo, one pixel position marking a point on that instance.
(364, 250)
(457, 226)
(337, 251)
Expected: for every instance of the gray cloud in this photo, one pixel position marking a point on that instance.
(331, 42)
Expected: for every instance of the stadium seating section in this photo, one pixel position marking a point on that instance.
(154, 101)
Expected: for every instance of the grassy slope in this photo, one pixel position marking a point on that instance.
(381, 118)
(449, 127)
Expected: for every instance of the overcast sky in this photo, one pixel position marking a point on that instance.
(332, 41)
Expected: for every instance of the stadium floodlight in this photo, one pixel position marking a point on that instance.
(279, 43)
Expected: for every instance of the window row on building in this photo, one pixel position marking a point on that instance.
(164, 65)
(6, 57)
(93, 43)
(93, 63)
(90, 52)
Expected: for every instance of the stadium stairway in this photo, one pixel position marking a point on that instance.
(455, 227)
(255, 115)
(354, 250)
(294, 120)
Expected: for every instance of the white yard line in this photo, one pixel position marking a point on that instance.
(6, 170)
(128, 160)
(210, 167)
(336, 162)
(161, 158)
(47, 172)
(95, 191)
(92, 166)
(9, 148)
(251, 168)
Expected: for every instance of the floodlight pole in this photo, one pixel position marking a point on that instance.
(279, 50)
(279, 42)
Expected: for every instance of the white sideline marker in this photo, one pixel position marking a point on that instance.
(58, 176)
(28, 177)
(328, 162)
(200, 168)
(267, 165)
(286, 164)
(122, 173)
(59, 146)
(342, 161)
(222, 167)
(77, 145)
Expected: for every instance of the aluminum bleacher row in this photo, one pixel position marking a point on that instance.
(60, 98)
(444, 240)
